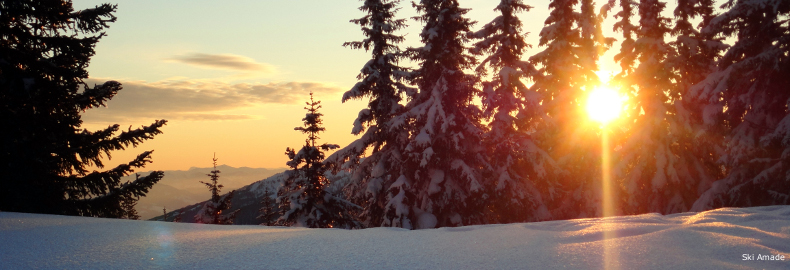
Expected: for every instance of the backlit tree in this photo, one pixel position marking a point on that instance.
(440, 182)
(747, 96)
(45, 154)
(573, 43)
(303, 199)
(215, 210)
(380, 80)
(519, 167)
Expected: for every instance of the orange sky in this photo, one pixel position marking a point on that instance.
(232, 77)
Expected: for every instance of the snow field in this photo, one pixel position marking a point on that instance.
(716, 239)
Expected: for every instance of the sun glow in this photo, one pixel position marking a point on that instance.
(604, 104)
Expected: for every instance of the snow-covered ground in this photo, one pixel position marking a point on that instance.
(718, 239)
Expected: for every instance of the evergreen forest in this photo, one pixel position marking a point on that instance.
(474, 126)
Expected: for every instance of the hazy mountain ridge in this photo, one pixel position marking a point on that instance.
(248, 199)
(182, 187)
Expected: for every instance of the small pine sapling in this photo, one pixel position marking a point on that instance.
(213, 209)
(269, 209)
(302, 197)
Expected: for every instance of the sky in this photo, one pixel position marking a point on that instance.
(231, 77)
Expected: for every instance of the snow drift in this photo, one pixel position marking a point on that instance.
(727, 238)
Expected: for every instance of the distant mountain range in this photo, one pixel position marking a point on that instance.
(248, 199)
(181, 188)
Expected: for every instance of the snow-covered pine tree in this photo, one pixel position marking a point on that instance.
(573, 42)
(212, 209)
(519, 166)
(380, 80)
(303, 199)
(698, 149)
(662, 166)
(440, 181)
(268, 210)
(748, 96)
(44, 153)
(646, 165)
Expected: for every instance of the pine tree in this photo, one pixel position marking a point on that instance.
(662, 166)
(304, 202)
(380, 80)
(573, 42)
(128, 208)
(698, 149)
(519, 165)
(440, 180)
(268, 210)
(747, 96)
(647, 165)
(212, 209)
(45, 154)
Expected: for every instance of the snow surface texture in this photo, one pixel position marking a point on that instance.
(716, 239)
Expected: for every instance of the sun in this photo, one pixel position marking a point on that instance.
(604, 104)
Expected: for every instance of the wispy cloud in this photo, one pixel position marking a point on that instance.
(224, 61)
(199, 100)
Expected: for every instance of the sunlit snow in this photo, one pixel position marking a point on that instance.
(730, 238)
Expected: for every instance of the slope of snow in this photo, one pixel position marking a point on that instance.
(715, 239)
(248, 199)
(181, 188)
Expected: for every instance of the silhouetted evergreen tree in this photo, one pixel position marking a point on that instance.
(269, 209)
(380, 80)
(44, 153)
(212, 209)
(128, 209)
(304, 202)
(519, 166)
(747, 96)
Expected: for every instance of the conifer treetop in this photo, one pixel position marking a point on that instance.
(312, 121)
(213, 186)
(212, 212)
(444, 52)
(380, 78)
